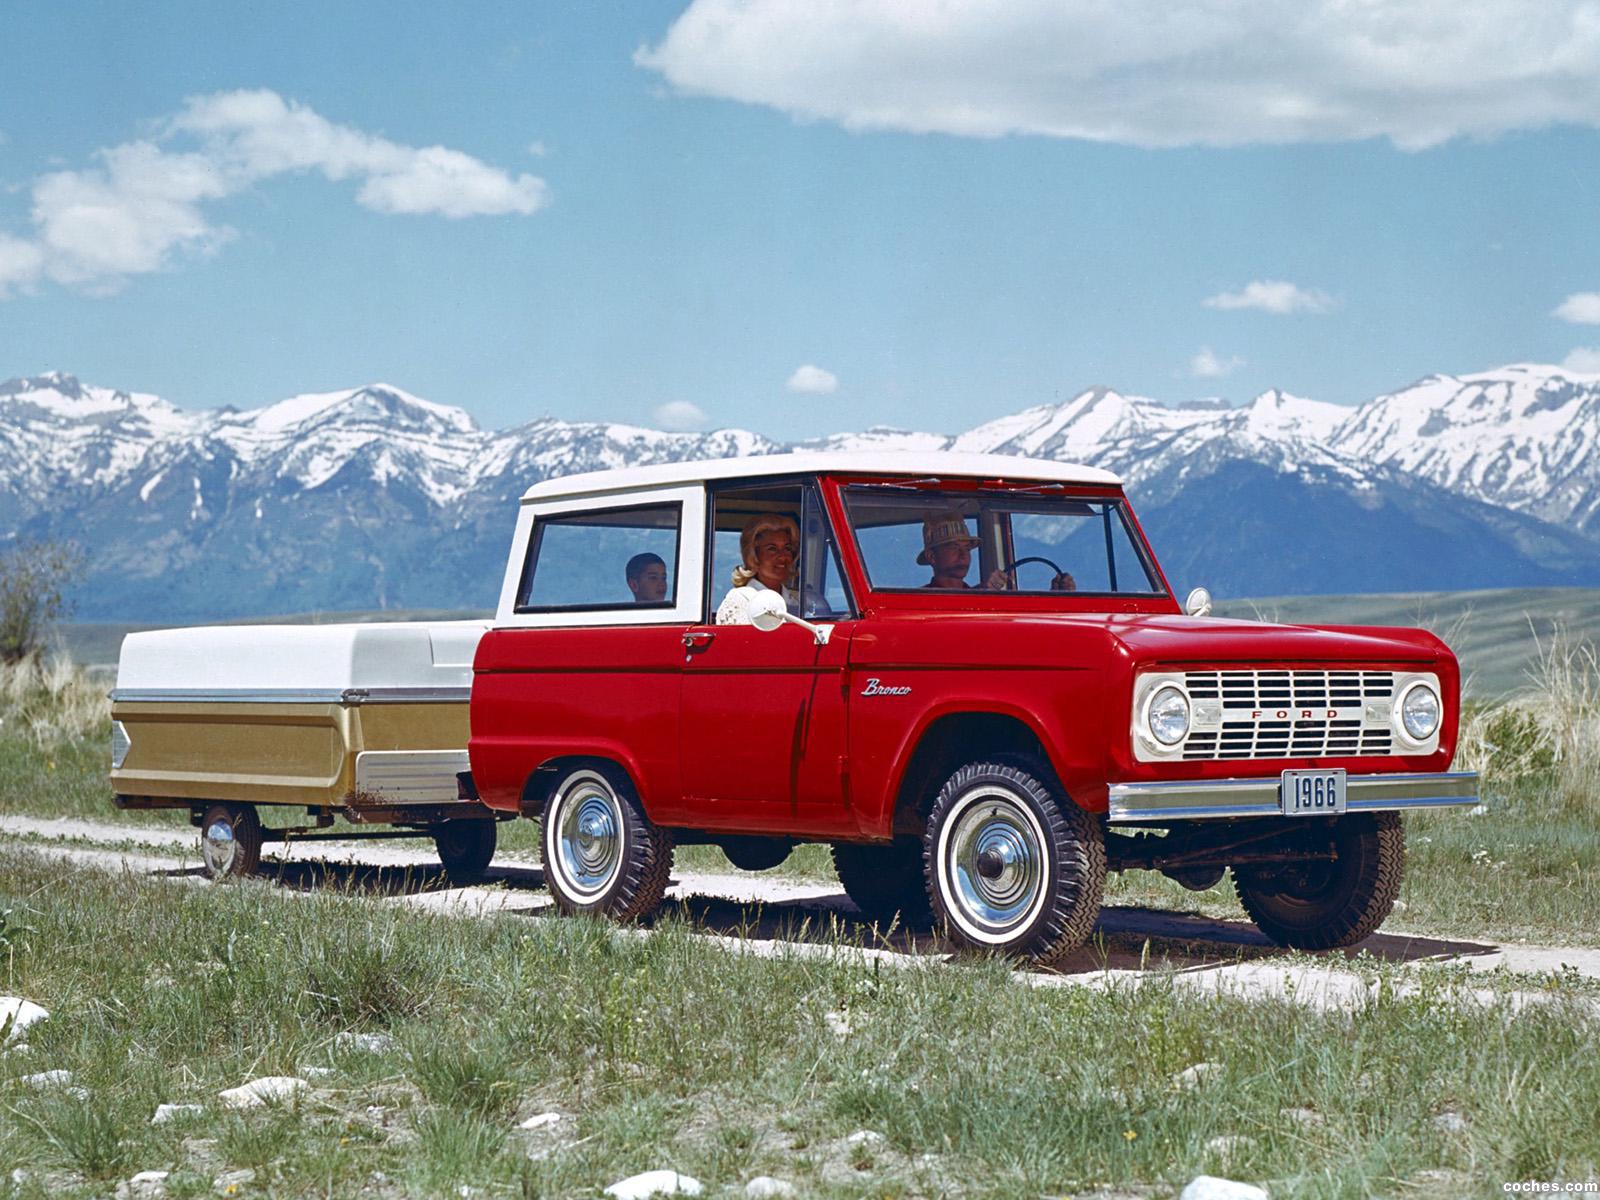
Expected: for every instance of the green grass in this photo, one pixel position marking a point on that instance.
(667, 1052)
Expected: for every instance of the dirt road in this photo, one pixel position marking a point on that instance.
(754, 914)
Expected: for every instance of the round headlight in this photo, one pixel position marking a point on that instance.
(1419, 712)
(1167, 715)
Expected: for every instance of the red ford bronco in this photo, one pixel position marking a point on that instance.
(967, 674)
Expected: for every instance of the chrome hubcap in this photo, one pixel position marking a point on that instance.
(589, 836)
(218, 846)
(994, 865)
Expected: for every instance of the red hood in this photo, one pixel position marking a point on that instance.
(1179, 639)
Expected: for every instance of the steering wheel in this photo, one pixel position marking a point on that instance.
(1011, 567)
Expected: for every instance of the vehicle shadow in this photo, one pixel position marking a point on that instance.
(1126, 938)
(413, 879)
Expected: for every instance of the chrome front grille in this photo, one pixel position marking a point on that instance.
(1289, 714)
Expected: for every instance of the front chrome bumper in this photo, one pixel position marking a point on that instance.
(1197, 799)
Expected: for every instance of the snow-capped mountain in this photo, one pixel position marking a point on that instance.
(1524, 437)
(373, 497)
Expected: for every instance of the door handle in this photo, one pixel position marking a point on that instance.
(697, 639)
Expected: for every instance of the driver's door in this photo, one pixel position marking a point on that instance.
(763, 731)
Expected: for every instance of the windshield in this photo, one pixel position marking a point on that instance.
(1043, 540)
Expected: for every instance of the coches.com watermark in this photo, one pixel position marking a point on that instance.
(1590, 1187)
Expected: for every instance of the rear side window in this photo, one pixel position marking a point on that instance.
(613, 558)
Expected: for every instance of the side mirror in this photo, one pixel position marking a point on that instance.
(768, 611)
(1199, 603)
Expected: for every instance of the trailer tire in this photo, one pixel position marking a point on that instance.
(230, 841)
(602, 854)
(882, 880)
(1326, 906)
(465, 848)
(1013, 866)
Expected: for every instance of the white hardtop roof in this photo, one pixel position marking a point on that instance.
(920, 463)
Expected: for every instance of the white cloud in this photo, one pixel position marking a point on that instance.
(1206, 365)
(1149, 72)
(680, 415)
(142, 205)
(538, 149)
(1273, 296)
(1580, 308)
(1585, 360)
(813, 381)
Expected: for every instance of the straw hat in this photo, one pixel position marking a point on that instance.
(942, 530)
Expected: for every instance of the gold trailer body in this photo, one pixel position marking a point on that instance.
(349, 751)
(365, 722)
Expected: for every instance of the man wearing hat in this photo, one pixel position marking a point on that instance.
(947, 548)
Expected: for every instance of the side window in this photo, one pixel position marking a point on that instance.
(815, 586)
(605, 558)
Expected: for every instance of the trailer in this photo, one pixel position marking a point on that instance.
(364, 724)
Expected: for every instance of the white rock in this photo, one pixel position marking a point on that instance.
(838, 1022)
(46, 1079)
(865, 1137)
(542, 1121)
(19, 1176)
(167, 1113)
(16, 1014)
(143, 1185)
(261, 1091)
(18, 1048)
(763, 1186)
(1192, 1077)
(1209, 1187)
(1306, 1118)
(654, 1183)
(230, 1182)
(318, 1072)
(366, 1043)
(1450, 1122)
(1478, 810)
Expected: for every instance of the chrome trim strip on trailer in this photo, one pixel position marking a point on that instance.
(1200, 799)
(398, 695)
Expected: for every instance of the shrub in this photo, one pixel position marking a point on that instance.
(32, 576)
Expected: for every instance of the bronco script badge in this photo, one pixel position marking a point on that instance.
(874, 688)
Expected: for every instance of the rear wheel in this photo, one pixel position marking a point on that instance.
(602, 854)
(465, 849)
(230, 841)
(1319, 905)
(884, 880)
(1013, 865)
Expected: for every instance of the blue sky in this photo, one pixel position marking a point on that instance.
(660, 213)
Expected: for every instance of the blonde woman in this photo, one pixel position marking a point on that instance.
(769, 547)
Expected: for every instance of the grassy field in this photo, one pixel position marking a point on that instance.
(666, 1052)
(663, 1052)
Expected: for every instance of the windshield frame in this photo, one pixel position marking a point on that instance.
(1157, 601)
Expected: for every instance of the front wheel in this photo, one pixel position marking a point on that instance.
(602, 854)
(1320, 905)
(1013, 865)
(230, 841)
(465, 848)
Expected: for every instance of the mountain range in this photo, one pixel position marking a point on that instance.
(375, 498)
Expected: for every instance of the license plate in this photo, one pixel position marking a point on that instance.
(1313, 793)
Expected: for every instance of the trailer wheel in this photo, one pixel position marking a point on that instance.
(882, 880)
(1325, 905)
(465, 848)
(602, 854)
(230, 841)
(1013, 865)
